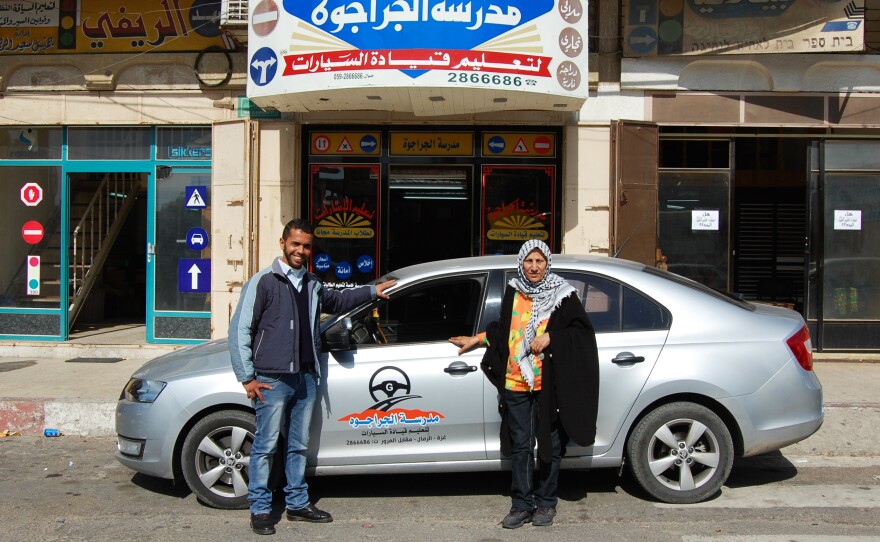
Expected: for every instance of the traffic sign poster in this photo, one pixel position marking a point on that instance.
(521, 145)
(31, 194)
(33, 275)
(346, 143)
(32, 232)
(194, 275)
(196, 197)
(197, 239)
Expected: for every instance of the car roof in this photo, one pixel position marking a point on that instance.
(484, 263)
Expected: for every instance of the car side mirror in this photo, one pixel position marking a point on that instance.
(338, 336)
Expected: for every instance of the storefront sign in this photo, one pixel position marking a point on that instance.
(346, 143)
(431, 143)
(250, 110)
(98, 26)
(519, 145)
(847, 220)
(527, 45)
(658, 27)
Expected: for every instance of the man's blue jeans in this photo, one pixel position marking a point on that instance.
(522, 419)
(290, 401)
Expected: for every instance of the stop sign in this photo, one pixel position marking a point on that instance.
(31, 194)
(32, 232)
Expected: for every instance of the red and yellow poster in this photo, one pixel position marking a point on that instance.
(33, 27)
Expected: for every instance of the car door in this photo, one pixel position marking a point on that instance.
(631, 329)
(402, 394)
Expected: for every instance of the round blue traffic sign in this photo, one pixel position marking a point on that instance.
(197, 239)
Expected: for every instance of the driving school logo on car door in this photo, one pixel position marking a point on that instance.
(390, 386)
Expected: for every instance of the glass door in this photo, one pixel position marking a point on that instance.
(846, 281)
(429, 214)
(179, 255)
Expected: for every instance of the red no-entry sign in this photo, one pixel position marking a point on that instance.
(32, 232)
(31, 194)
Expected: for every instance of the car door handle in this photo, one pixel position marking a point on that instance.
(459, 368)
(627, 357)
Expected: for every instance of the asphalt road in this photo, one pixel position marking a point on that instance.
(72, 488)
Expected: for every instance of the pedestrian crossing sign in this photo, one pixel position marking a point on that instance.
(196, 197)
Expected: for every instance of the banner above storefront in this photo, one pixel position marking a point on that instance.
(498, 46)
(29, 27)
(694, 27)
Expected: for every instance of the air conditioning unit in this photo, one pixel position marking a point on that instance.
(233, 13)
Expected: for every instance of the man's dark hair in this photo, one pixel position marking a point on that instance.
(297, 224)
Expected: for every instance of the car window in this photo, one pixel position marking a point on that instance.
(431, 311)
(612, 306)
(641, 313)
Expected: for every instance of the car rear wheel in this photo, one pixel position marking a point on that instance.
(680, 453)
(215, 458)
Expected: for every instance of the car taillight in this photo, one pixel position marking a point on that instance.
(802, 348)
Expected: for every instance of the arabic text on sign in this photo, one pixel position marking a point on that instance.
(400, 11)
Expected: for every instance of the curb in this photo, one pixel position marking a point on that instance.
(83, 418)
(71, 350)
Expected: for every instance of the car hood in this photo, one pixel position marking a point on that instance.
(212, 356)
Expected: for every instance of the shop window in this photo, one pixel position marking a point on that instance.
(518, 205)
(30, 275)
(174, 219)
(192, 143)
(344, 212)
(31, 143)
(851, 283)
(122, 143)
(693, 224)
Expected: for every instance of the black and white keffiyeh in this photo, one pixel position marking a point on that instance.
(546, 295)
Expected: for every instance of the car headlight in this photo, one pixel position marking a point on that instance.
(142, 391)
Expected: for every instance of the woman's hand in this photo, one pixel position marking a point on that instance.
(466, 343)
(540, 343)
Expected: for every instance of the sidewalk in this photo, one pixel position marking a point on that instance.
(74, 387)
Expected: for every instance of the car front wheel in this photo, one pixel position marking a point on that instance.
(215, 458)
(680, 453)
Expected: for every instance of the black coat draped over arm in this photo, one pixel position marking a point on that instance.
(570, 377)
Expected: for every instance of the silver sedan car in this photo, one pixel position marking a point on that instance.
(690, 378)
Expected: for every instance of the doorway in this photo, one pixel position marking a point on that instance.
(429, 214)
(106, 269)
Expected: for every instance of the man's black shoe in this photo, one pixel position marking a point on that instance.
(515, 518)
(544, 516)
(310, 514)
(262, 524)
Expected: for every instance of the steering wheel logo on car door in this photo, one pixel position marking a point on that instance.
(390, 386)
(384, 385)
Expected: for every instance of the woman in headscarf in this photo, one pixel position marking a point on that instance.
(541, 356)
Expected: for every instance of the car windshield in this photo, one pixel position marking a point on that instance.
(730, 297)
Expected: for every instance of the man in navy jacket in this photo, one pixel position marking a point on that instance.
(273, 343)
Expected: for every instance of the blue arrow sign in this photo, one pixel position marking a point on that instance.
(368, 143)
(496, 144)
(193, 276)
